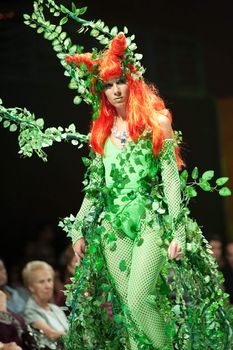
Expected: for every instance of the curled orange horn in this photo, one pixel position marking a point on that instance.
(118, 45)
(110, 66)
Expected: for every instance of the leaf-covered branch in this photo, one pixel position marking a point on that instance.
(62, 44)
(32, 136)
(202, 181)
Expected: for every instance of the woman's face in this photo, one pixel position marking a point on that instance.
(117, 91)
(42, 284)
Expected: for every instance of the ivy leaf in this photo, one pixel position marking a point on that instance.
(13, 127)
(111, 236)
(93, 249)
(104, 41)
(114, 31)
(112, 246)
(184, 175)
(140, 241)
(195, 173)
(58, 48)
(74, 142)
(25, 16)
(105, 287)
(40, 30)
(106, 29)
(155, 206)
(6, 123)
(133, 46)
(77, 100)
(176, 309)
(82, 10)
(63, 21)
(208, 175)
(225, 191)
(63, 9)
(164, 289)
(207, 279)
(72, 127)
(222, 180)
(63, 35)
(58, 29)
(170, 329)
(52, 36)
(183, 178)
(40, 123)
(191, 192)
(205, 185)
(73, 7)
(138, 56)
(99, 264)
(122, 265)
(118, 318)
(161, 211)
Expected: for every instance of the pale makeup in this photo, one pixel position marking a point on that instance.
(117, 92)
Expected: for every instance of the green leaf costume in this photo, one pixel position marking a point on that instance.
(134, 205)
(132, 209)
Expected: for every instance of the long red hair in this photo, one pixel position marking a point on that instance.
(143, 106)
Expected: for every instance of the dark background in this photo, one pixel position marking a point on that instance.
(188, 53)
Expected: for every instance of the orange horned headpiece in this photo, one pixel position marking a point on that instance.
(108, 64)
(97, 68)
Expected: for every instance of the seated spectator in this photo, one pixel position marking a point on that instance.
(40, 313)
(15, 302)
(9, 346)
(216, 244)
(15, 334)
(15, 279)
(12, 326)
(228, 271)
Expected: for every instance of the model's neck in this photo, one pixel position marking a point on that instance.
(121, 112)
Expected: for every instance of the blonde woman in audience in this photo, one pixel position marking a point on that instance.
(40, 313)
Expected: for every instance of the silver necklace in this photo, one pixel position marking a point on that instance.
(120, 135)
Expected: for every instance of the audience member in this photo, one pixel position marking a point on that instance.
(38, 277)
(15, 279)
(15, 302)
(228, 270)
(217, 248)
(12, 325)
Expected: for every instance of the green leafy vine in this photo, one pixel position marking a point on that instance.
(81, 79)
(32, 136)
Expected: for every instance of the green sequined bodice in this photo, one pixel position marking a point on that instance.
(133, 162)
(128, 174)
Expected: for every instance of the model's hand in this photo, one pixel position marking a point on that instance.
(174, 250)
(79, 250)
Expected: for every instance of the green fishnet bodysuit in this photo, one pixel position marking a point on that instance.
(142, 262)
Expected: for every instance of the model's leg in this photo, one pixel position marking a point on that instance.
(124, 248)
(147, 262)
